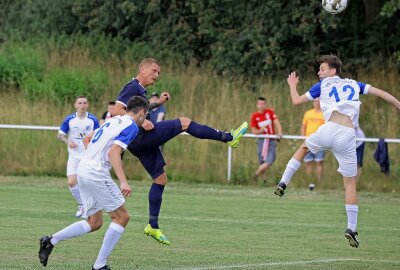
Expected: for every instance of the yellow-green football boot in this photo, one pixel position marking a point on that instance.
(237, 134)
(156, 234)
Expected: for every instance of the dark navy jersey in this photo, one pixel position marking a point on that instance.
(131, 89)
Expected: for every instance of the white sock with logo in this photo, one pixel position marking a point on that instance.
(111, 238)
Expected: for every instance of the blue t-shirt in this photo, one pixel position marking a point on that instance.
(154, 113)
(131, 89)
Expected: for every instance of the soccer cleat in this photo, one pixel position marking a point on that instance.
(156, 234)
(105, 267)
(80, 211)
(237, 134)
(45, 249)
(280, 189)
(352, 237)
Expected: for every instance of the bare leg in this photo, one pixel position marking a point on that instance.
(320, 169)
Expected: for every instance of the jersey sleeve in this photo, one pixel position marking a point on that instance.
(95, 123)
(253, 122)
(127, 136)
(128, 91)
(314, 92)
(273, 115)
(64, 128)
(363, 88)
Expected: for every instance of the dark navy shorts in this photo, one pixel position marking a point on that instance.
(146, 145)
(360, 154)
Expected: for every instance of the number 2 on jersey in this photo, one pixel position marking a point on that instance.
(334, 92)
(99, 133)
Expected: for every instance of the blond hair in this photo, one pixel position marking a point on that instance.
(147, 61)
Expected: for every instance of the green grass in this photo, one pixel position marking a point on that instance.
(209, 226)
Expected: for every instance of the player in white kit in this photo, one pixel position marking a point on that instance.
(76, 126)
(340, 105)
(98, 190)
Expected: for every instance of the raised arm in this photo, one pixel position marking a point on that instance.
(385, 96)
(293, 80)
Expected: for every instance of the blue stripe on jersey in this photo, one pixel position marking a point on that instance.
(95, 121)
(65, 124)
(362, 87)
(131, 89)
(315, 90)
(128, 134)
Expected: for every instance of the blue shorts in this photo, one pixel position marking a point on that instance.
(146, 146)
(360, 154)
(318, 157)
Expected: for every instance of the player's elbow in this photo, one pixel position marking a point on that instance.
(296, 102)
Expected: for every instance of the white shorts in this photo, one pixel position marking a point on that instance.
(72, 165)
(341, 141)
(99, 194)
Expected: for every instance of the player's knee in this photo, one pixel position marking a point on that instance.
(95, 224)
(185, 122)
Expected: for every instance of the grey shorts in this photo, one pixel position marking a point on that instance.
(266, 151)
(317, 157)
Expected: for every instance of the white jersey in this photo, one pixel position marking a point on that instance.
(359, 134)
(76, 129)
(341, 95)
(120, 130)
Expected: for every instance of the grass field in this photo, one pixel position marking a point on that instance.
(209, 226)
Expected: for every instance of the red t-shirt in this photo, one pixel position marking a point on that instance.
(264, 120)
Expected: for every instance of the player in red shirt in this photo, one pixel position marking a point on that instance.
(265, 121)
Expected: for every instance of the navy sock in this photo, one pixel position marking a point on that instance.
(205, 132)
(155, 200)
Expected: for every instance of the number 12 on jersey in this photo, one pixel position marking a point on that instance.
(334, 92)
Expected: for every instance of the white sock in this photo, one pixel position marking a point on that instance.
(352, 213)
(75, 229)
(111, 238)
(292, 167)
(77, 195)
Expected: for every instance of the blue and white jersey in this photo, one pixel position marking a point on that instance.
(131, 89)
(337, 94)
(76, 129)
(120, 130)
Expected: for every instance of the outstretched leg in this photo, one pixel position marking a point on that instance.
(351, 210)
(79, 228)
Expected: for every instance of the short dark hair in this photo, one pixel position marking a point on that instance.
(332, 61)
(262, 98)
(81, 96)
(154, 94)
(136, 103)
(111, 103)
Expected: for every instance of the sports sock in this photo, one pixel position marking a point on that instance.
(75, 192)
(352, 213)
(206, 132)
(111, 238)
(75, 229)
(291, 168)
(155, 200)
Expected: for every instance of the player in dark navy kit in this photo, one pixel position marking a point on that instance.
(151, 136)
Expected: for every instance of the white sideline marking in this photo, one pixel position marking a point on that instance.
(257, 265)
(209, 219)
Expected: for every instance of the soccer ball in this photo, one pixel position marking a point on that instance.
(334, 6)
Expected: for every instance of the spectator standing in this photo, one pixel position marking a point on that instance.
(265, 121)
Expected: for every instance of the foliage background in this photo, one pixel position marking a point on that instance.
(217, 57)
